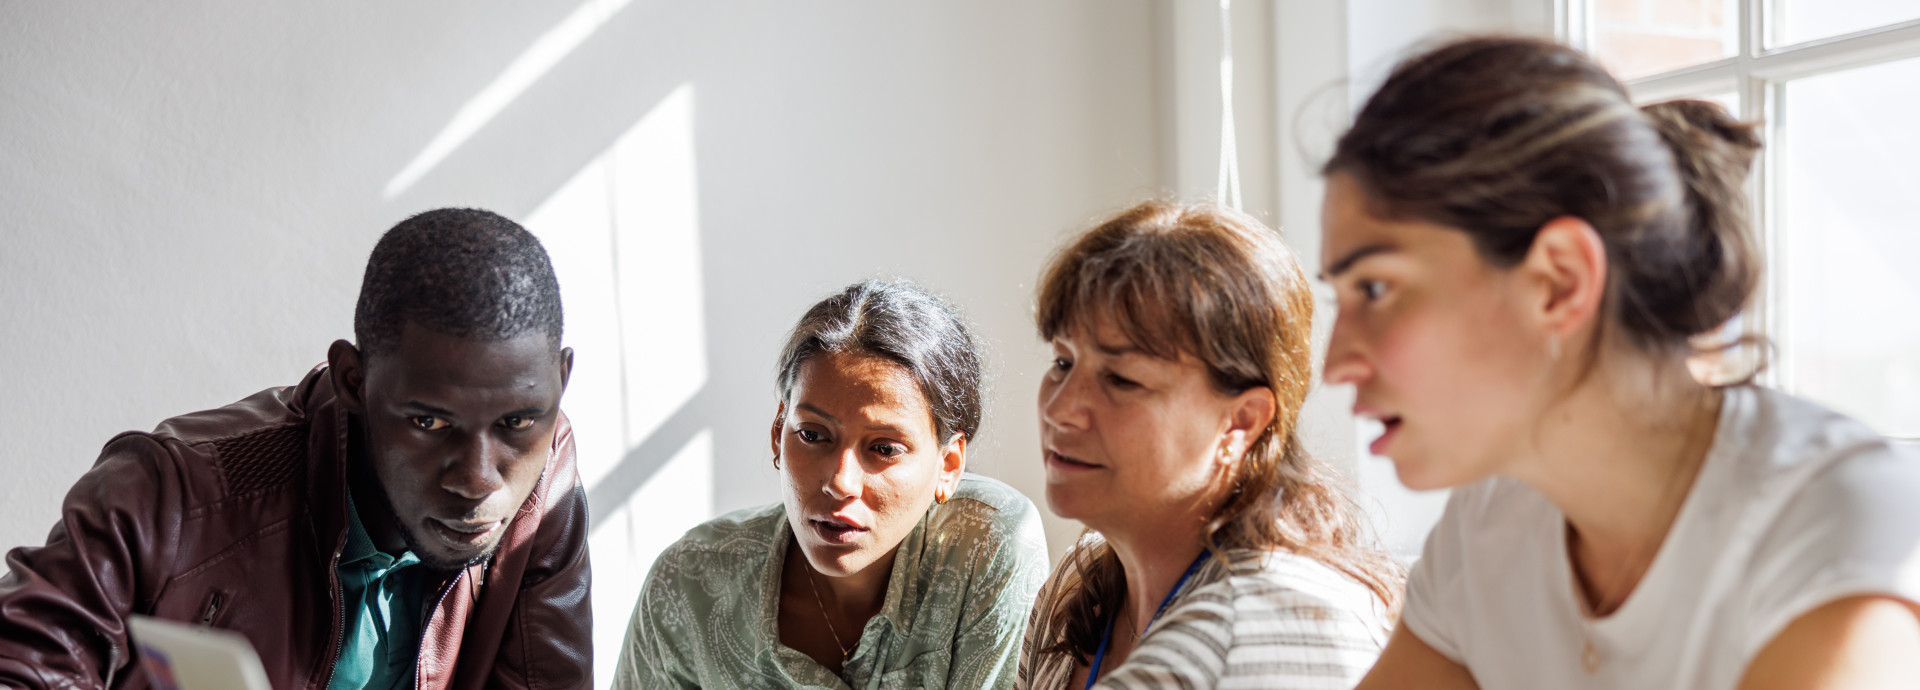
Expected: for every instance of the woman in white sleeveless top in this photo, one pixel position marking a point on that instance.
(1524, 264)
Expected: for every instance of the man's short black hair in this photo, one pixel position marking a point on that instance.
(463, 272)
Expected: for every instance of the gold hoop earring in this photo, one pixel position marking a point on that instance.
(940, 497)
(776, 461)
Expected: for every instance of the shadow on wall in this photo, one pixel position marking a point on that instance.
(607, 110)
(702, 173)
(192, 195)
(623, 232)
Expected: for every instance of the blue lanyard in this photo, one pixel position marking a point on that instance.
(1093, 673)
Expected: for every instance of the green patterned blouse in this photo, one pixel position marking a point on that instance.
(955, 610)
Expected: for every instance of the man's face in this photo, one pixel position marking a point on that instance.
(458, 432)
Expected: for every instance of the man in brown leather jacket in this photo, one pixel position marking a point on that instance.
(436, 446)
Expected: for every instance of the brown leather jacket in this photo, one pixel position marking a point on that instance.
(235, 518)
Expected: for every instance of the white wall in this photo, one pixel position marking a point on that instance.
(189, 190)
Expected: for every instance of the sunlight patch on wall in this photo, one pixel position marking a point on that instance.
(532, 64)
(677, 498)
(624, 234)
(656, 210)
(625, 240)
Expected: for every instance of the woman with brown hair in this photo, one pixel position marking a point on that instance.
(1524, 263)
(1218, 551)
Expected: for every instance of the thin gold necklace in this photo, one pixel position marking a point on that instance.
(844, 652)
(1590, 654)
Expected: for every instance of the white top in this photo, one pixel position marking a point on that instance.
(1264, 620)
(1795, 507)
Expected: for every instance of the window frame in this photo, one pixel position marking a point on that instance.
(1759, 75)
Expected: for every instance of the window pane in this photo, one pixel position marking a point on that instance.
(1804, 20)
(1637, 38)
(1851, 336)
(1729, 100)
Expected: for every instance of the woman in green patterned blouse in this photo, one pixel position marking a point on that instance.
(885, 565)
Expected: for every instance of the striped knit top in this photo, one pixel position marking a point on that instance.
(1262, 620)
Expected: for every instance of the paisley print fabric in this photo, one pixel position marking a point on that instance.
(954, 614)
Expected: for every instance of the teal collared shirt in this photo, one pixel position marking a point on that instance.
(380, 596)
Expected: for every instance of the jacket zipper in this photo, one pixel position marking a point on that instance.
(339, 615)
(444, 591)
(214, 600)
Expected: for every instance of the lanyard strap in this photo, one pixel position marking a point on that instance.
(1093, 672)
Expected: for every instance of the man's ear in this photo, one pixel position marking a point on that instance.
(1568, 264)
(348, 370)
(566, 367)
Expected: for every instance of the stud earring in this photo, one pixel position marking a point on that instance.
(1230, 449)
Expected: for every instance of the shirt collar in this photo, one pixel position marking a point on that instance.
(360, 547)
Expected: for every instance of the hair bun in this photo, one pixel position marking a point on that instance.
(1496, 136)
(1713, 152)
(1705, 133)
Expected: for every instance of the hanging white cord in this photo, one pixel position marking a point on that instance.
(1228, 182)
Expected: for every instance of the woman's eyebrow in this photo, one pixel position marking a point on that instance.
(1353, 257)
(809, 407)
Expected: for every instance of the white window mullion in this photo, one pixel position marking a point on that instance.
(1764, 319)
(1756, 17)
(1759, 102)
(1714, 77)
(1883, 44)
